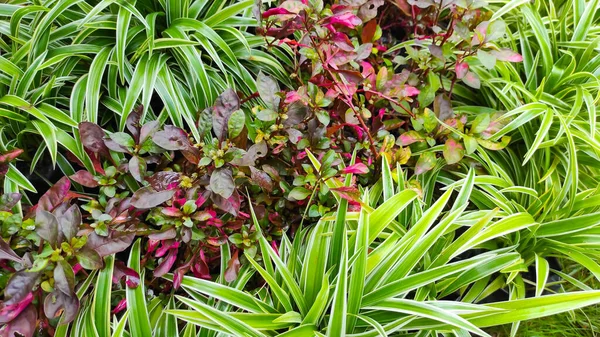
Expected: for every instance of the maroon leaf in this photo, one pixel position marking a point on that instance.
(57, 303)
(163, 179)
(10, 155)
(24, 325)
(233, 267)
(268, 90)
(6, 253)
(92, 137)
(56, 195)
(147, 197)
(166, 264)
(46, 226)
(121, 271)
(133, 121)
(115, 242)
(224, 106)
(262, 179)
(172, 138)
(84, 178)
(221, 182)
(275, 11)
(230, 205)
(348, 193)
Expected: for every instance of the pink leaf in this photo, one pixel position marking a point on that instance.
(472, 80)
(507, 55)
(358, 168)
(275, 11)
(461, 69)
(410, 90)
(347, 19)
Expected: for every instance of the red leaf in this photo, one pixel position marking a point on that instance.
(56, 195)
(348, 193)
(84, 178)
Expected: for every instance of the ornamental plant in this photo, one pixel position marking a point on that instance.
(363, 94)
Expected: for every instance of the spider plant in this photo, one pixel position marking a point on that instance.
(67, 61)
(391, 268)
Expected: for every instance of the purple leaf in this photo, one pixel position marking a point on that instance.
(137, 168)
(172, 138)
(230, 205)
(8, 201)
(297, 112)
(233, 268)
(58, 302)
(19, 286)
(64, 278)
(24, 325)
(221, 182)
(224, 106)
(147, 197)
(46, 226)
(166, 263)
(92, 137)
(268, 88)
(368, 11)
(8, 312)
(6, 253)
(84, 178)
(163, 179)
(255, 151)
(148, 130)
(115, 242)
(69, 222)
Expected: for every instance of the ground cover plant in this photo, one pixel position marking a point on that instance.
(300, 168)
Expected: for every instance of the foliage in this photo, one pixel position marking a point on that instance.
(68, 61)
(355, 168)
(358, 91)
(366, 274)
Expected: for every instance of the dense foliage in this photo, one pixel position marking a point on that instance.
(296, 168)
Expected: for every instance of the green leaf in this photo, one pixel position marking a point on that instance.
(139, 320)
(236, 123)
